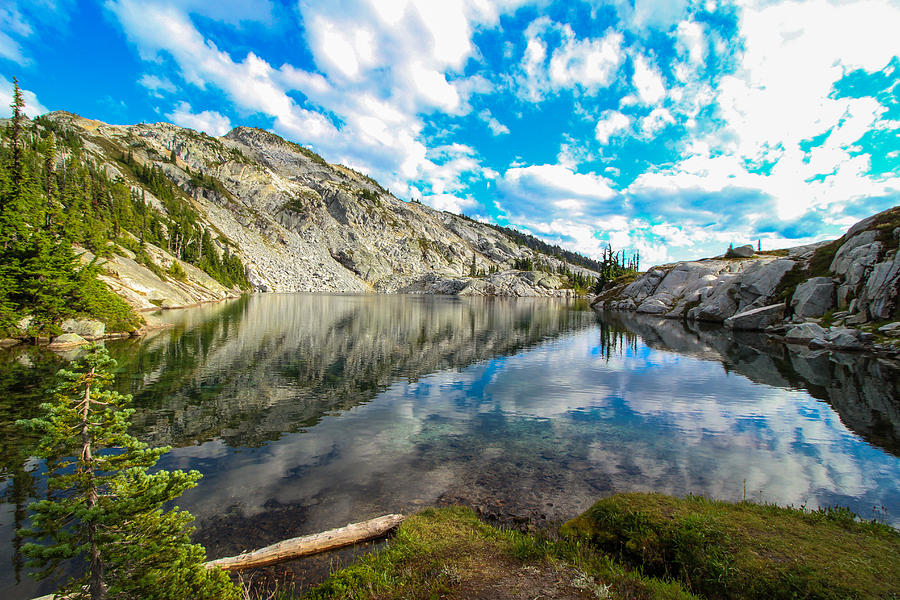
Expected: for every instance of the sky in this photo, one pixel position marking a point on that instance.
(671, 128)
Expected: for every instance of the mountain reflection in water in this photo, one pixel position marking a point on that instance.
(305, 412)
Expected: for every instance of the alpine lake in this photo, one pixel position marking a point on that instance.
(307, 412)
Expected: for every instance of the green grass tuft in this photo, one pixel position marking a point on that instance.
(726, 550)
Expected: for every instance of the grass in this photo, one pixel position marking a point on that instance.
(820, 263)
(786, 287)
(449, 553)
(884, 224)
(743, 550)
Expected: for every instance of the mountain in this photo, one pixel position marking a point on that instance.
(292, 220)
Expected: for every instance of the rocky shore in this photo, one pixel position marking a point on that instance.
(843, 294)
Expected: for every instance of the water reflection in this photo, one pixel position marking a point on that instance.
(248, 371)
(863, 389)
(307, 412)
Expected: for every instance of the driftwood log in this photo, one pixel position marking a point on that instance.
(309, 544)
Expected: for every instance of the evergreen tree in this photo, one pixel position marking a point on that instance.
(15, 136)
(103, 508)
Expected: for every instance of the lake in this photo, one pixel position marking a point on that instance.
(306, 412)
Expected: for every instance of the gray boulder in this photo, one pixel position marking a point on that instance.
(803, 333)
(86, 328)
(814, 297)
(759, 280)
(743, 251)
(67, 340)
(891, 329)
(845, 339)
(756, 319)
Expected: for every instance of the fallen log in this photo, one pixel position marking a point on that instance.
(310, 544)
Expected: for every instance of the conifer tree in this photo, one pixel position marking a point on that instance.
(103, 508)
(15, 136)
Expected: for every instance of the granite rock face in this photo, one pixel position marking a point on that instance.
(814, 297)
(704, 290)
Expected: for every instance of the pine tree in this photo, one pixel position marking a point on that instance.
(15, 137)
(103, 508)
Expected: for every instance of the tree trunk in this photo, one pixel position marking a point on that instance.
(308, 545)
(97, 588)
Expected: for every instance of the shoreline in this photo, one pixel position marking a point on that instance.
(870, 349)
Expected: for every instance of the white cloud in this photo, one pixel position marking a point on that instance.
(549, 192)
(780, 96)
(559, 181)
(449, 202)
(155, 84)
(588, 63)
(656, 121)
(647, 81)
(496, 127)
(21, 19)
(691, 41)
(207, 121)
(611, 122)
(33, 107)
(660, 14)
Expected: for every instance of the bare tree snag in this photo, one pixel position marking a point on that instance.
(308, 545)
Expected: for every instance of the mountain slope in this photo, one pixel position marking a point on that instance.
(300, 224)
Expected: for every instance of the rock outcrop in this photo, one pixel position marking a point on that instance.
(853, 282)
(299, 223)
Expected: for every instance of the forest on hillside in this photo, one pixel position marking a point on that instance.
(56, 199)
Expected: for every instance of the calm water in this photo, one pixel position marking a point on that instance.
(307, 412)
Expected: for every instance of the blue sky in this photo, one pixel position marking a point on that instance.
(665, 126)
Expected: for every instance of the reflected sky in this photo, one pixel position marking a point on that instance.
(307, 412)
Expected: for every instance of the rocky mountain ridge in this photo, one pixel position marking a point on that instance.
(300, 224)
(844, 293)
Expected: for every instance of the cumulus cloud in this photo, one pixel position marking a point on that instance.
(449, 202)
(779, 98)
(656, 121)
(588, 63)
(611, 122)
(207, 121)
(691, 41)
(647, 81)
